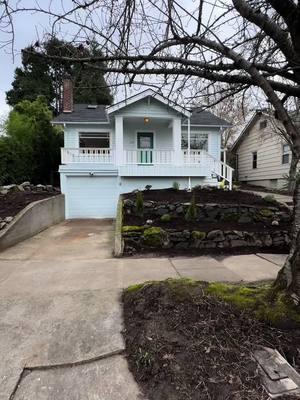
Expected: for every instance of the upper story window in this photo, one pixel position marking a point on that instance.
(198, 141)
(99, 140)
(286, 151)
(254, 159)
(263, 124)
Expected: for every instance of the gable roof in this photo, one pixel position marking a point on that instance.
(206, 118)
(146, 93)
(246, 128)
(82, 113)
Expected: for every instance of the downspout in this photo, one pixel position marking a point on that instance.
(189, 151)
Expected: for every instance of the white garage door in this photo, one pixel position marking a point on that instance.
(91, 197)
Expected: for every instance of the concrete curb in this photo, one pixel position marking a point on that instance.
(33, 219)
(119, 242)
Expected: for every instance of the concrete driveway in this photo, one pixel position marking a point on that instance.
(60, 311)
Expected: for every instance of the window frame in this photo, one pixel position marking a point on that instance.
(104, 135)
(184, 140)
(285, 154)
(254, 159)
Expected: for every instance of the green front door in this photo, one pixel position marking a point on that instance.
(145, 147)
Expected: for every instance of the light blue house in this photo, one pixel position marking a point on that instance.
(143, 140)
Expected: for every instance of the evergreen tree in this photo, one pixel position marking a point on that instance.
(42, 76)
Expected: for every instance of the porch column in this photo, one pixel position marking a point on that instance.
(176, 125)
(119, 149)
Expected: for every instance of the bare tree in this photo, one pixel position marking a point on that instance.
(189, 46)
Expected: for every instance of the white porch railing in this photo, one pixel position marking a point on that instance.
(145, 157)
(87, 155)
(137, 157)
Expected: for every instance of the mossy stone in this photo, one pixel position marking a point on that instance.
(132, 228)
(198, 235)
(166, 218)
(266, 213)
(155, 237)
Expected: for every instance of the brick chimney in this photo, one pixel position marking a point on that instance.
(67, 95)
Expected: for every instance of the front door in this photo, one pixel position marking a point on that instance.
(145, 147)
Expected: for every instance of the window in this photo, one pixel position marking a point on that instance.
(286, 151)
(94, 139)
(198, 141)
(254, 160)
(263, 124)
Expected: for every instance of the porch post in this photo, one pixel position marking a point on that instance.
(176, 125)
(119, 140)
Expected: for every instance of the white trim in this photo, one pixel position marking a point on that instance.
(222, 127)
(80, 122)
(146, 93)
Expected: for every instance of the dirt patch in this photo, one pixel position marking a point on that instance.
(184, 344)
(202, 196)
(12, 203)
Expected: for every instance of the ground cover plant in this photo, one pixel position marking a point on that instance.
(193, 340)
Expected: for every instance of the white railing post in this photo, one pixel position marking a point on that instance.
(119, 139)
(176, 130)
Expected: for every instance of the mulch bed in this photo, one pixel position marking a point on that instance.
(183, 344)
(12, 203)
(202, 196)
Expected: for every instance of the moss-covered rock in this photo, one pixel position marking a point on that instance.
(198, 235)
(266, 213)
(132, 228)
(155, 237)
(166, 218)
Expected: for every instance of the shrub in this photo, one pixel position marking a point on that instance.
(270, 199)
(165, 218)
(155, 237)
(191, 213)
(148, 187)
(175, 186)
(139, 204)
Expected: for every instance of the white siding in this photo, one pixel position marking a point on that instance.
(268, 145)
(146, 108)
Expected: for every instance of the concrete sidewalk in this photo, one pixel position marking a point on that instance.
(60, 308)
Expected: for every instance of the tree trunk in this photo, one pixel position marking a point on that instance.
(289, 276)
(292, 173)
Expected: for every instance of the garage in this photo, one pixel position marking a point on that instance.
(91, 196)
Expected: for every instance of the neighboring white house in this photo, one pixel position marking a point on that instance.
(143, 140)
(263, 157)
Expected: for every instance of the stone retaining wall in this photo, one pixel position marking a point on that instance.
(138, 239)
(215, 212)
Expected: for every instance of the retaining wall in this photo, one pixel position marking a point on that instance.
(33, 219)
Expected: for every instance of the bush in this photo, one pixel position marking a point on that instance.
(165, 218)
(270, 199)
(139, 204)
(191, 213)
(175, 186)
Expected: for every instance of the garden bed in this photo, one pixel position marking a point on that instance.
(172, 221)
(12, 203)
(184, 342)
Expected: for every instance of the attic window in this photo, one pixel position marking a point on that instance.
(92, 106)
(263, 124)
